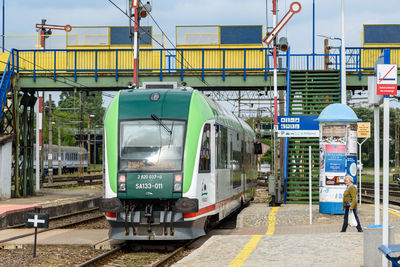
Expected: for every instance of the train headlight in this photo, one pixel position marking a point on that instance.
(122, 182)
(177, 183)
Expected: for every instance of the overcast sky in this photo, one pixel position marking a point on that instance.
(22, 15)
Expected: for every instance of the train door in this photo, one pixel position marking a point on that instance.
(206, 173)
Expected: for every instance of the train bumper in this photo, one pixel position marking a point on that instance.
(159, 230)
(113, 205)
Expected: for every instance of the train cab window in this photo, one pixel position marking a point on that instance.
(205, 152)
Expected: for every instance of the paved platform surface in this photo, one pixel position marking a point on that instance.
(54, 201)
(89, 237)
(52, 197)
(282, 236)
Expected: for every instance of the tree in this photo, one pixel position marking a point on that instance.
(68, 112)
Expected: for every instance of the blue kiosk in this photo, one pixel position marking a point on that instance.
(337, 155)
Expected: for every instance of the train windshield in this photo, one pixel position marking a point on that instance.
(146, 145)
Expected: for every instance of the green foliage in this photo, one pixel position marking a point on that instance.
(268, 156)
(67, 113)
(367, 115)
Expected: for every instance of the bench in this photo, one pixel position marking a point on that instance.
(387, 250)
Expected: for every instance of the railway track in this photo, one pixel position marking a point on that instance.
(71, 180)
(368, 188)
(111, 257)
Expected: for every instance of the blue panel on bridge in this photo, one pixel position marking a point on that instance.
(241, 34)
(381, 34)
(120, 35)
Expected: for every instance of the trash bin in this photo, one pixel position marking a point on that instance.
(372, 241)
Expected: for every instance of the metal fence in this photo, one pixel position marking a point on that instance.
(258, 61)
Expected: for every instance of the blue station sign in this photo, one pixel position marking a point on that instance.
(298, 126)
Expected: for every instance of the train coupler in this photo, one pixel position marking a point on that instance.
(126, 220)
(165, 222)
(132, 220)
(171, 230)
(149, 215)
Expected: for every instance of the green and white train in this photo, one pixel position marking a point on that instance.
(176, 162)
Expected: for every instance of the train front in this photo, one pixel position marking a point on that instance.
(145, 132)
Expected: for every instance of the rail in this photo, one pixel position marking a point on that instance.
(199, 61)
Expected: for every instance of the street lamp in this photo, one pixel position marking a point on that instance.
(326, 56)
(343, 61)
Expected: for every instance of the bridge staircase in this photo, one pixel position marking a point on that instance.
(17, 119)
(5, 86)
(310, 93)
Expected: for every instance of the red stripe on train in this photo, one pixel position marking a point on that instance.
(200, 212)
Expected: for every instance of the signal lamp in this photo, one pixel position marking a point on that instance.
(144, 9)
(177, 183)
(283, 44)
(143, 13)
(121, 183)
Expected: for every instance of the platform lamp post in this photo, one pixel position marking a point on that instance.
(343, 62)
(2, 37)
(334, 38)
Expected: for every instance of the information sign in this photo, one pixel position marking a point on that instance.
(363, 130)
(386, 79)
(298, 126)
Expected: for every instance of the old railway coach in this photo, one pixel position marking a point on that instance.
(175, 163)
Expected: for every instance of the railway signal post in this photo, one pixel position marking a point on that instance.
(295, 7)
(139, 11)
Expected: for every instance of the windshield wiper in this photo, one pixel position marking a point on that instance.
(156, 118)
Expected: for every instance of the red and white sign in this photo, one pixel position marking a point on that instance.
(386, 79)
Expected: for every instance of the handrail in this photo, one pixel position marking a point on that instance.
(5, 81)
(194, 61)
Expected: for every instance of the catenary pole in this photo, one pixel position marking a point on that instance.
(59, 147)
(38, 143)
(50, 145)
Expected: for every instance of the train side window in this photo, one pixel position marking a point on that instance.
(205, 151)
(221, 143)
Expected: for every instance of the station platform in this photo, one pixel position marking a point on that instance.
(97, 238)
(54, 202)
(283, 236)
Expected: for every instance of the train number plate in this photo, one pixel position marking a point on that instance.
(156, 186)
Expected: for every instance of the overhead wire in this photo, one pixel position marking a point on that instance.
(166, 36)
(176, 58)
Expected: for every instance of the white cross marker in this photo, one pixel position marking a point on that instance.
(36, 220)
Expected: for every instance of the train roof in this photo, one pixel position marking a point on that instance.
(69, 149)
(174, 103)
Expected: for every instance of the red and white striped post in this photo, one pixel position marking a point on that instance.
(39, 137)
(135, 6)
